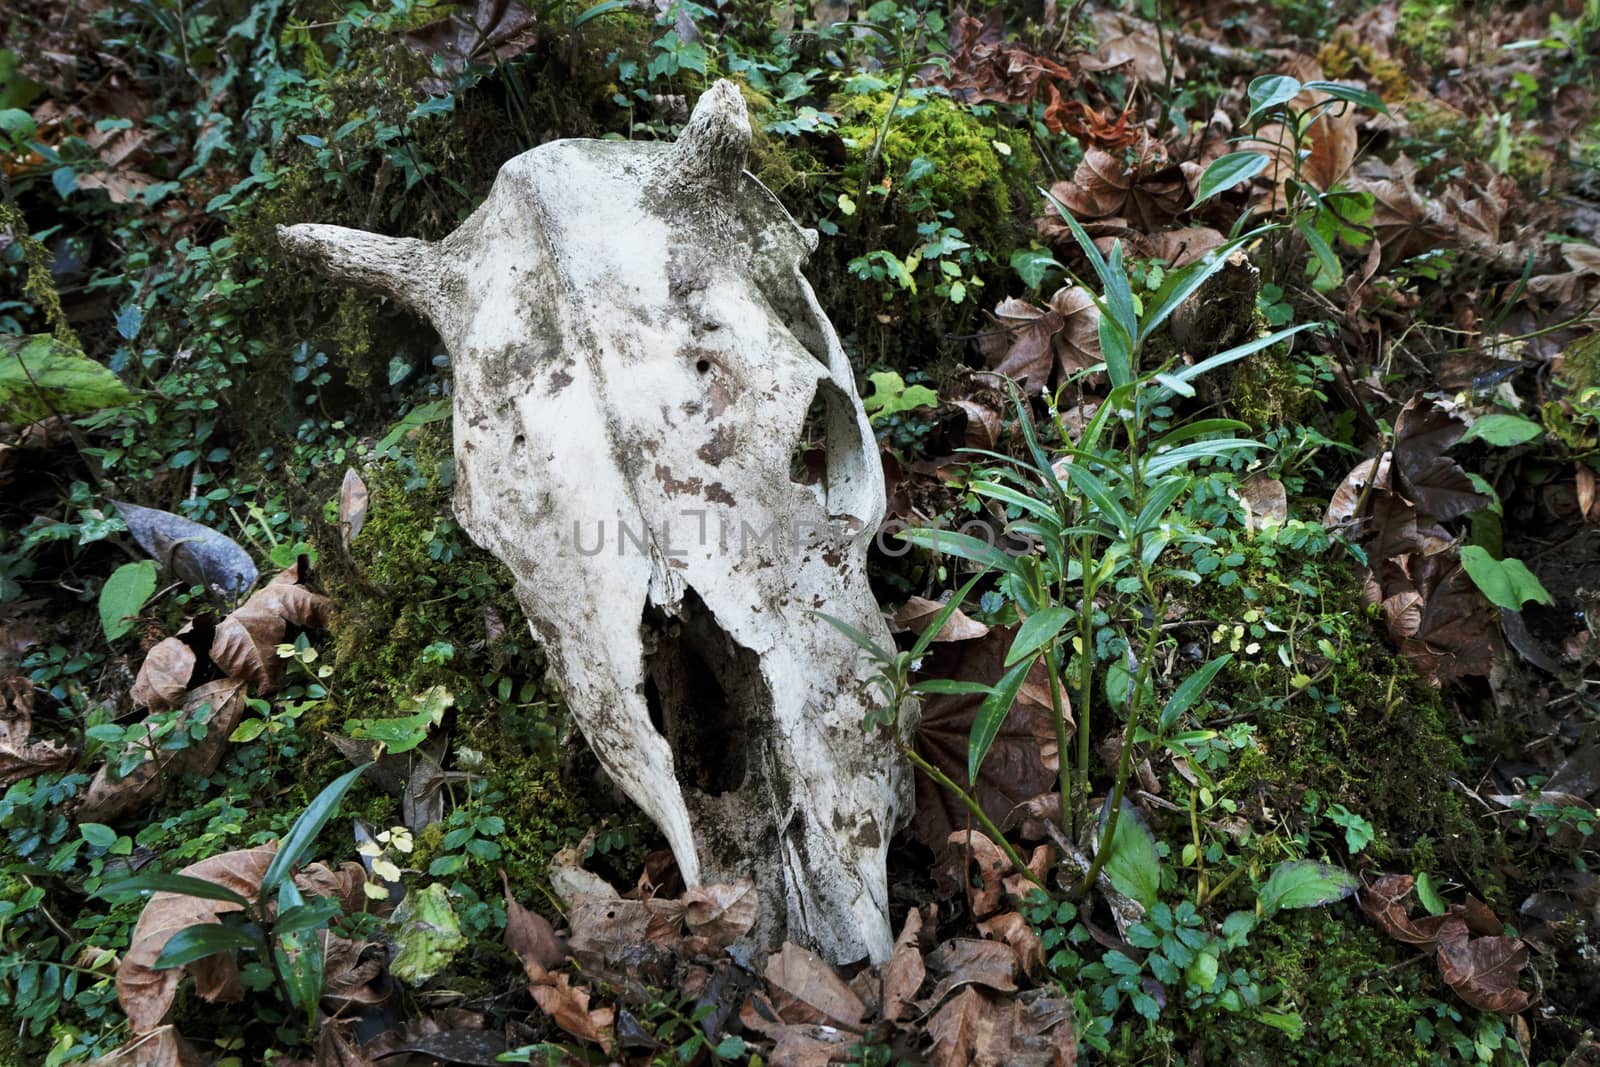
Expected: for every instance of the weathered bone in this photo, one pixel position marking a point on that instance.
(635, 351)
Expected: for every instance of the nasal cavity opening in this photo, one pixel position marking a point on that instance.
(704, 691)
(829, 451)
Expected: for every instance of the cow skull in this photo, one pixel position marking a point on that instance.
(635, 354)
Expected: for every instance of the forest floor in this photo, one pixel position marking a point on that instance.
(1263, 335)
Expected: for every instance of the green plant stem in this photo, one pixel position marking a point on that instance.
(977, 812)
(1220, 886)
(1063, 765)
(1085, 664)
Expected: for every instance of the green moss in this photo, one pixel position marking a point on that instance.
(979, 184)
(1426, 27)
(1340, 976)
(1345, 56)
(1268, 389)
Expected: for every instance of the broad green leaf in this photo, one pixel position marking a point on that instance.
(1223, 174)
(1431, 900)
(159, 882)
(248, 730)
(1036, 631)
(97, 834)
(1190, 691)
(303, 834)
(1134, 866)
(426, 934)
(1304, 884)
(992, 713)
(1502, 430)
(1033, 264)
(1268, 92)
(41, 376)
(299, 952)
(1506, 582)
(891, 395)
(124, 596)
(199, 941)
(961, 545)
(405, 732)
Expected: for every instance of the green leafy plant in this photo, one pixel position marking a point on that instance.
(279, 927)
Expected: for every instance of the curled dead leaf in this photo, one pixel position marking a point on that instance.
(917, 615)
(164, 676)
(806, 989)
(20, 756)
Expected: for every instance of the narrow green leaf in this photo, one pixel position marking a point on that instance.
(1191, 690)
(951, 687)
(962, 546)
(597, 10)
(312, 915)
(1182, 388)
(199, 941)
(1353, 94)
(1100, 495)
(872, 647)
(991, 714)
(1223, 174)
(1198, 428)
(1237, 352)
(1162, 496)
(1036, 631)
(158, 882)
(303, 834)
(951, 606)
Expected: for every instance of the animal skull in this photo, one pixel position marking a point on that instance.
(635, 352)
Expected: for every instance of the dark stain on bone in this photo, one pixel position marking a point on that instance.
(717, 493)
(559, 381)
(677, 487)
(720, 447)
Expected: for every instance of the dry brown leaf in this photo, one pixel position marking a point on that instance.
(806, 990)
(618, 938)
(721, 914)
(348, 979)
(1266, 501)
(917, 615)
(164, 677)
(344, 884)
(1130, 42)
(21, 757)
(529, 935)
(965, 850)
(1432, 480)
(163, 1047)
(1586, 485)
(146, 993)
(903, 974)
(107, 798)
(353, 502)
(569, 1008)
(1012, 929)
(1347, 498)
(965, 961)
(246, 646)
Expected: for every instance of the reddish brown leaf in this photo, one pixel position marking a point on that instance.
(1484, 972)
(108, 798)
(969, 857)
(349, 971)
(1433, 481)
(1266, 500)
(353, 502)
(569, 1008)
(1012, 929)
(965, 961)
(1022, 762)
(163, 1047)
